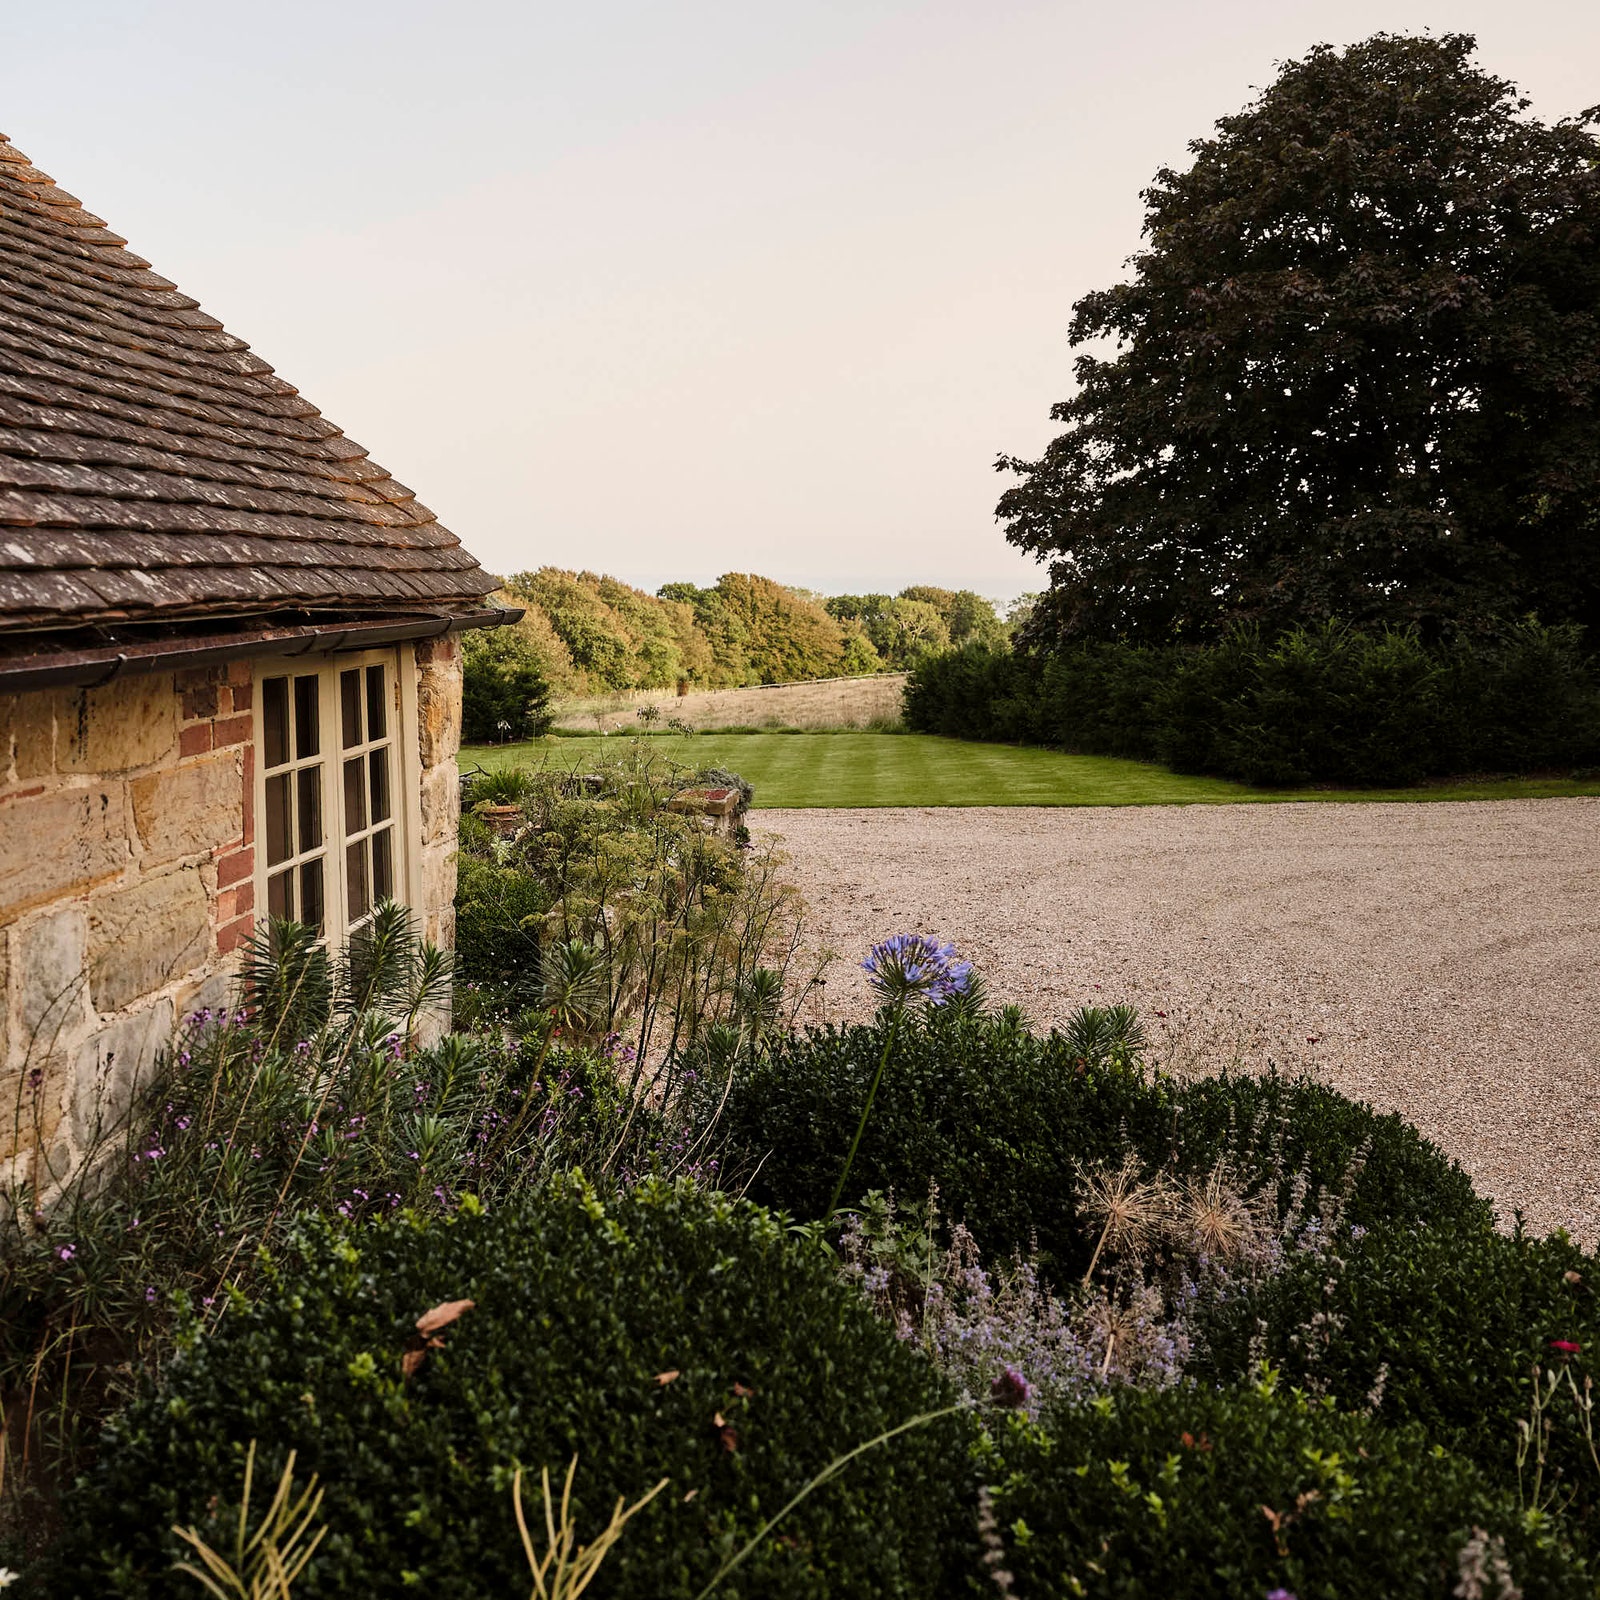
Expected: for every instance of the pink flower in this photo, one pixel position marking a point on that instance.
(1565, 1346)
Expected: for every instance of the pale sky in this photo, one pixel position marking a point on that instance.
(673, 289)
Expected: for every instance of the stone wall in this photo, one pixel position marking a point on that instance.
(438, 740)
(126, 882)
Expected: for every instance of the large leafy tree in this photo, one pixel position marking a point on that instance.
(1355, 372)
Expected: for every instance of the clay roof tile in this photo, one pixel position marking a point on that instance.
(154, 469)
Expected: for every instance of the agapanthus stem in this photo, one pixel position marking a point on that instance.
(866, 1111)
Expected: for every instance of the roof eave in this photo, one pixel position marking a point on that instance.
(65, 668)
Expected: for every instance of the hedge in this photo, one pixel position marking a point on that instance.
(1005, 1120)
(585, 1307)
(1318, 705)
(1189, 1494)
(1446, 1323)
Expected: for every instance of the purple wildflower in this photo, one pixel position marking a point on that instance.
(1281, 1594)
(66, 1252)
(150, 1295)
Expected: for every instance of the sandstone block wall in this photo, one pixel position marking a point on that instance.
(126, 882)
(438, 740)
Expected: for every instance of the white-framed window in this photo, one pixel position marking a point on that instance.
(335, 752)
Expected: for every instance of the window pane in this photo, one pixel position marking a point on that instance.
(382, 865)
(355, 856)
(350, 706)
(280, 826)
(311, 894)
(280, 894)
(275, 721)
(378, 765)
(377, 718)
(307, 732)
(355, 796)
(310, 781)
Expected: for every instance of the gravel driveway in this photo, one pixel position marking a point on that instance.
(1439, 960)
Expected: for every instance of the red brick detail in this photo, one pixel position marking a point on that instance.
(233, 934)
(239, 675)
(236, 867)
(195, 740)
(232, 903)
(200, 701)
(231, 730)
(241, 693)
(23, 794)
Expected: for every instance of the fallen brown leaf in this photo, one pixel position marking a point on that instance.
(430, 1322)
(742, 1392)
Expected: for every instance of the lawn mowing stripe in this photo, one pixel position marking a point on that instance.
(905, 769)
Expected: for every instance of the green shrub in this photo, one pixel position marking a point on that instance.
(1331, 704)
(677, 918)
(958, 694)
(1189, 1494)
(1003, 1120)
(583, 1308)
(1453, 1318)
(316, 1099)
(504, 693)
(499, 908)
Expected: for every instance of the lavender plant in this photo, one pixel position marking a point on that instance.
(1162, 1249)
(1002, 1335)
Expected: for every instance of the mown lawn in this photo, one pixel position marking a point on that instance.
(911, 769)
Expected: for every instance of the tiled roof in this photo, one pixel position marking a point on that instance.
(152, 469)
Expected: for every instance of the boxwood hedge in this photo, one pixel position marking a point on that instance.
(582, 1305)
(1454, 1318)
(1005, 1120)
(1190, 1494)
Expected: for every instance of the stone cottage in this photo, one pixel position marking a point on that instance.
(229, 677)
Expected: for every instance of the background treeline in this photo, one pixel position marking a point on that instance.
(586, 633)
(1329, 704)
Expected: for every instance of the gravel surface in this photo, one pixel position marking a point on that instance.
(1439, 960)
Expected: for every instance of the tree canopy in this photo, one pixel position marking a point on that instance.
(1354, 373)
(901, 629)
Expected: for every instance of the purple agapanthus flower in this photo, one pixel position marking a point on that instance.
(911, 964)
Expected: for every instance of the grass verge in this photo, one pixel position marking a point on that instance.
(910, 769)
